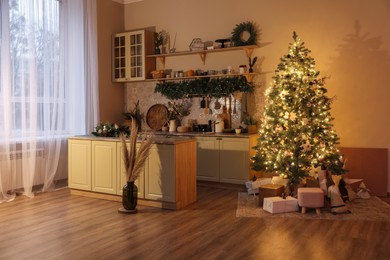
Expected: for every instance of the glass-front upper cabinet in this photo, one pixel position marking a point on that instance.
(129, 56)
(119, 66)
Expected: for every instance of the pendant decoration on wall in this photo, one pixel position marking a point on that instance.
(245, 33)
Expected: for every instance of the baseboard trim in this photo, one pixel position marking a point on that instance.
(118, 198)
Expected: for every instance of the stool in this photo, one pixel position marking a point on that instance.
(311, 198)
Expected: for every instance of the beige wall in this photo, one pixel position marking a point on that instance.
(111, 95)
(350, 41)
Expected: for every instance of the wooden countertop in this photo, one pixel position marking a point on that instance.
(170, 140)
(167, 137)
(198, 134)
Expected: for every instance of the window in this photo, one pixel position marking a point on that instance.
(35, 93)
(34, 57)
(48, 88)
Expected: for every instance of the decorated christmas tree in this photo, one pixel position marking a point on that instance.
(296, 133)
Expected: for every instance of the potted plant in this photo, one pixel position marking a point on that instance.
(251, 124)
(134, 114)
(158, 41)
(110, 130)
(134, 162)
(177, 111)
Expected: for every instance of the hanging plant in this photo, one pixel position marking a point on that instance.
(214, 87)
(242, 30)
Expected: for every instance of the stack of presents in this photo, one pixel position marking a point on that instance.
(277, 196)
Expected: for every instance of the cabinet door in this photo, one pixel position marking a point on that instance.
(122, 178)
(207, 161)
(137, 55)
(104, 173)
(160, 174)
(129, 51)
(234, 160)
(79, 164)
(120, 70)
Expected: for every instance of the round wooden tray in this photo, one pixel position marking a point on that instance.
(156, 117)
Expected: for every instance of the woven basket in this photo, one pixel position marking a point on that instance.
(157, 75)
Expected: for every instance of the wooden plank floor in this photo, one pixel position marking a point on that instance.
(57, 225)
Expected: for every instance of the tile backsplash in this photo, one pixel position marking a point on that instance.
(144, 92)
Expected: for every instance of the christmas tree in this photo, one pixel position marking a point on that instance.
(296, 133)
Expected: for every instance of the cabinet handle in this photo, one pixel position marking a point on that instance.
(219, 138)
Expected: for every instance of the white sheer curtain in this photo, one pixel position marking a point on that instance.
(48, 88)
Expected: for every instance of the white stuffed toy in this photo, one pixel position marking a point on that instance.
(363, 191)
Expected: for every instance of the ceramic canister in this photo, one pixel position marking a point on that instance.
(219, 126)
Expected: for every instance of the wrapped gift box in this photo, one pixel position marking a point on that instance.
(280, 205)
(253, 186)
(269, 190)
(260, 182)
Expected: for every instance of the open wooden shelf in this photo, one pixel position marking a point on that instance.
(247, 49)
(249, 77)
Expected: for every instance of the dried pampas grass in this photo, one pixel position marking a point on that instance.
(134, 161)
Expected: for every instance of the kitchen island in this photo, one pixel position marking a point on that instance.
(221, 157)
(95, 169)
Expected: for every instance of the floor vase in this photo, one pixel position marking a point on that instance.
(130, 196)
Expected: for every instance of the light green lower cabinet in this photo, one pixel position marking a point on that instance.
(207, 159)
(223, 159)
(234, 160)
(122, 174)
(160, 174)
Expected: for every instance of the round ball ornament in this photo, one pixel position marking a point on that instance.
(244, 34)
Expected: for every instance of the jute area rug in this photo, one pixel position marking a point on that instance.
(372, 209)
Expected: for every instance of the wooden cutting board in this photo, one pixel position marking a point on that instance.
(156, 117)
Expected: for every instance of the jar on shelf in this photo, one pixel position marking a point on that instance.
(242, 69)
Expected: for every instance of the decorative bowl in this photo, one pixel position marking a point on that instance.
(182, 129)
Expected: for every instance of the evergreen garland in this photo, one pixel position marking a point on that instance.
(213, 87)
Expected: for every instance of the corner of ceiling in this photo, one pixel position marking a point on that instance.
(126, 1)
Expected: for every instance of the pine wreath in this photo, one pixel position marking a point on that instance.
(244, 27)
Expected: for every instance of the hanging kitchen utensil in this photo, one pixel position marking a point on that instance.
(203, 103)
(206, 110)
(230, 104)
(245, 100)
(229, 115)
(209, 102)
(224, 108)
(217, 105)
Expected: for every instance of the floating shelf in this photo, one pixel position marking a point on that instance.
(249, 77)
(247, 49)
